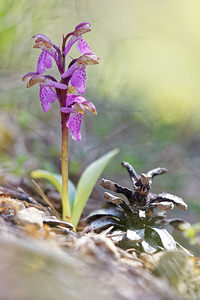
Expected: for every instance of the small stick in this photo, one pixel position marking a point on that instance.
(44, 197)
(37, 206)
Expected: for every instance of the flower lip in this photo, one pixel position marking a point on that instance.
(43, 80)
(35, 79)
(42, 44)
(82, 28)
(78, 104)
(30, 74)
(41, 37)
(42, 41)
(79, 108)
(88, 59)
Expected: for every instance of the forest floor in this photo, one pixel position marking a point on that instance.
(42, 257)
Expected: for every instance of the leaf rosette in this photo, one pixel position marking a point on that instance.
(137, 217)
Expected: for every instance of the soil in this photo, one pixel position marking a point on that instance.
(42, 257)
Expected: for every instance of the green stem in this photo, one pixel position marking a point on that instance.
(66, 213)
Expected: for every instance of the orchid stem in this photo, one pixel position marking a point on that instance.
(66, 213)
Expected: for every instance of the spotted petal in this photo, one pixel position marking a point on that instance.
(74, 125)
(71, 42)
(55, 84)
(45, 96)
(70, 99)
(70, 70)
(83, 47)
(67, 110)
(78, 80)
(77, 35)
(44, 62)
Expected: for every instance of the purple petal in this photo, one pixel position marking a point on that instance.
(67, 110)
(42, 42)
(90, 106)
(30, 74)
(83, 47)
(48, 61)
(87, 104)
(70, 70)
(36, 79)
(74, 125)
(71, 42)
(79, 99)
(82, 28)
(44, 62)
(44, 98)
(78, 80)
(41, 37)
(51, 95)
(53, 53)
(55, 84)
(70, 99)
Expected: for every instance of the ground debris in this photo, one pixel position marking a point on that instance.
(29, 215)
(115, 273)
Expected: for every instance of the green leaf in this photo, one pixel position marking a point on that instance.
(136, 235)
(56, 180)
(87, 182)
(166, 238)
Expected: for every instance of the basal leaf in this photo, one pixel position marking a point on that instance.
(166, 238)
(136, 236)
(56, 180)
(87, 182)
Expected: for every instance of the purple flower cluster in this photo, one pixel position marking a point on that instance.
(70, 89)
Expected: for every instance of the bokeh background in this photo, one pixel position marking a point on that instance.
(146, 90)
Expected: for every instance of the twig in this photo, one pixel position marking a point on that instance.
(44, 197)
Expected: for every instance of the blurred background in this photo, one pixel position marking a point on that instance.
(146, 90)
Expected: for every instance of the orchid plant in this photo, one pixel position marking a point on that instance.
(68, 91)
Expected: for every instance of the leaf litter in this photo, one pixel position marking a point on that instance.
(24, 216)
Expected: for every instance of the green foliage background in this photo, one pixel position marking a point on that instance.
(146, 88)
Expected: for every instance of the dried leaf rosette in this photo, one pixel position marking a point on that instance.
(138, 217)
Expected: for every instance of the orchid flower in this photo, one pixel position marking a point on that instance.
(47, 95)
(78, 73)
(77, 105)
(49, 51)
(68, 91)
(82, 46)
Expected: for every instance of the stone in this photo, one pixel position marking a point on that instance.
(28, 216)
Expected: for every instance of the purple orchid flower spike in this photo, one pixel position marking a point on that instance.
(72, 83)
(82, 46)
(47, 95)
(49, 51)
(77, 105)
(78, 73)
